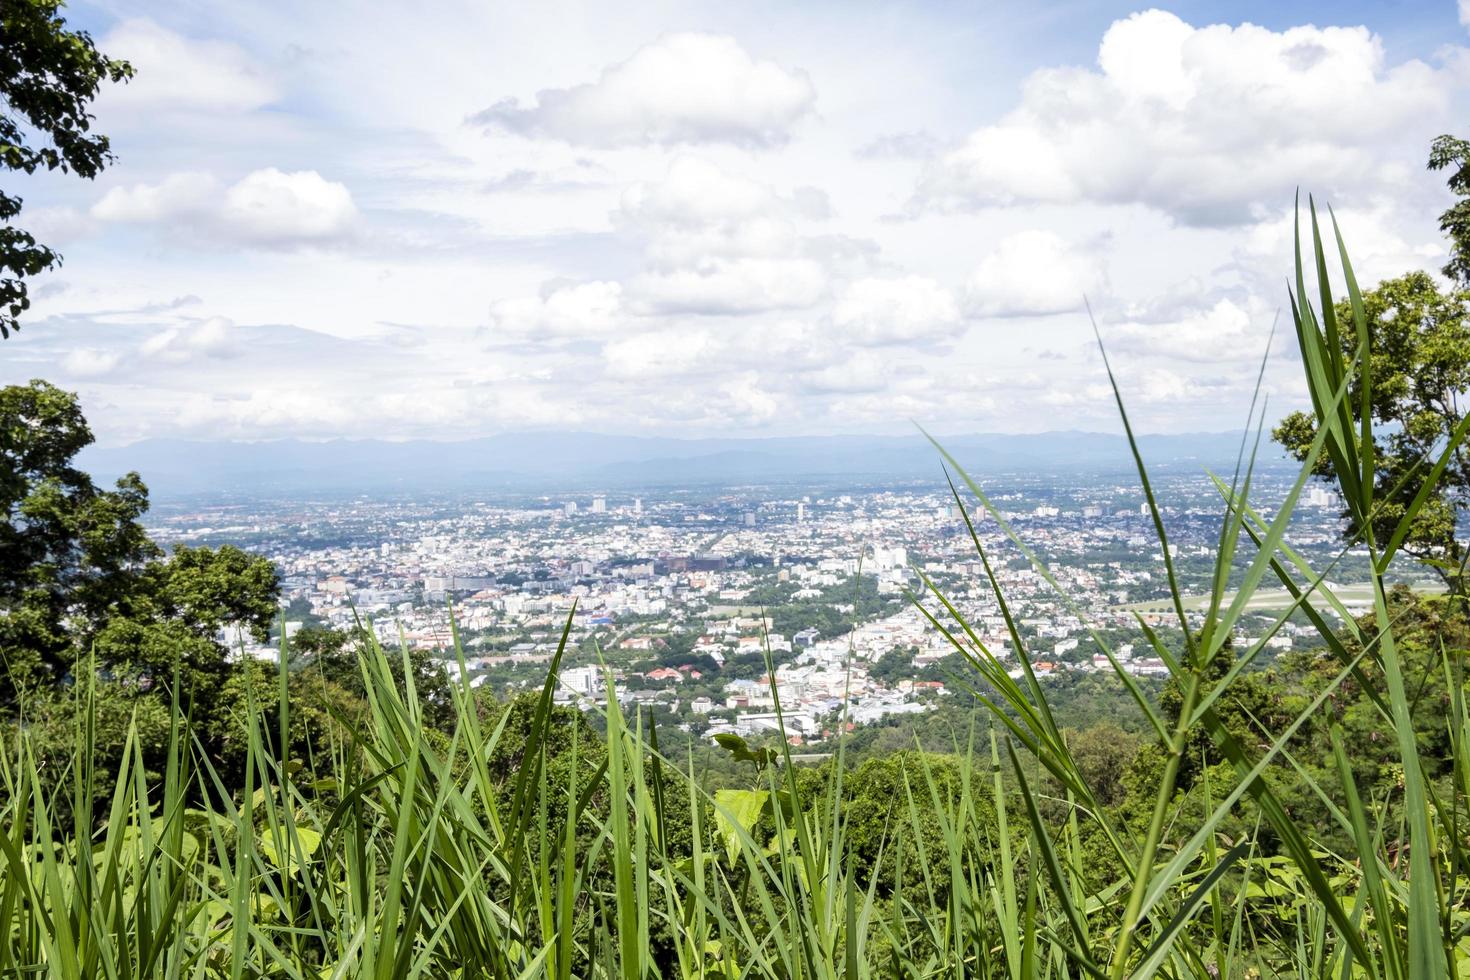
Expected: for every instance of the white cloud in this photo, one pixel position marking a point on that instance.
(266, 208)
(176, 196)
(697, 192)
(718, 285)
(57, 225)
(1034, 273)
(1374, 236)
(904, 310)
(175, 72)
(717, 243)
(213, 337)
(707, 288)
(863, 373)
(90, 362)
(1207, 124)
(1465, 13)
(660, 353)
(700, 210)
(1224, 331)
(682, 88)
(680, 352)
(272, 207)
(588, 309)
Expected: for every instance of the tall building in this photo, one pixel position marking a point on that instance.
(583, 682)
(569, 508)
(800, 512)
(637, 505)
(1321, 497)
(750, 518)
(599, 505)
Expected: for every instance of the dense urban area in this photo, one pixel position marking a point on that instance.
(680, 597)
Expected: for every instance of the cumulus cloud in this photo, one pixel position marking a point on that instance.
(564, 311)
(272, 207)
(682, 88)
(717, 243)
(90, 362)
(1206, 124)
(175, 196)
(721, 285)
(697, 193)
(213, 337)
(266, 208)
(661, 354)
(862, 373)
(175, 72)
(1224, 331)
(684, 353)
(58, 225)
(910, 309)
(1374, 235)
(1034, 273)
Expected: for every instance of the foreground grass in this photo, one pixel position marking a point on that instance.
(393, 851)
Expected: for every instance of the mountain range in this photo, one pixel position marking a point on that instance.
(569, 460)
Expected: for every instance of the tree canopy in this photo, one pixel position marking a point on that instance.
(49, 76)
(79, 575)
(1419, 346)
(1453, 154)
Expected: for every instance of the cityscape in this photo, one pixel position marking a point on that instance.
(677, 598)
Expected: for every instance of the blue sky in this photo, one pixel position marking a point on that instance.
(720, 219)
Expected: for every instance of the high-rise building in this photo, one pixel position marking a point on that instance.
(599, 505)
(750, 518)
(637, 505)
(1321, 497)
(569, 508)
(583, 682)
(800, 512)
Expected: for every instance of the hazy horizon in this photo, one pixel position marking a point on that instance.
(556, 460)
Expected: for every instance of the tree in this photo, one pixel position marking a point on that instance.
(1419, 350)
(1449, 153)
(69, 551)
(79, 575)
(48, 77)
(94, 616)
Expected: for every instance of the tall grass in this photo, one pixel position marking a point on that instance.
(394, 852)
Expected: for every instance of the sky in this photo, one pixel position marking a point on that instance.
(710, 219)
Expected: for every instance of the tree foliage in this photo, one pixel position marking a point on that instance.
(86, 595)
(1420, 365)
(1453, 154)
(49, 76)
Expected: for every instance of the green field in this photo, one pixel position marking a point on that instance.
(1356, 596)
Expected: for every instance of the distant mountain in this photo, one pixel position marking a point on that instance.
(565, 460)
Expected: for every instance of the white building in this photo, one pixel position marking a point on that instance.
(579, 682)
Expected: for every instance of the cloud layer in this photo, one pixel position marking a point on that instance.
(1207, 124)
(682, 88)
(316, 228)
(265, 208)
